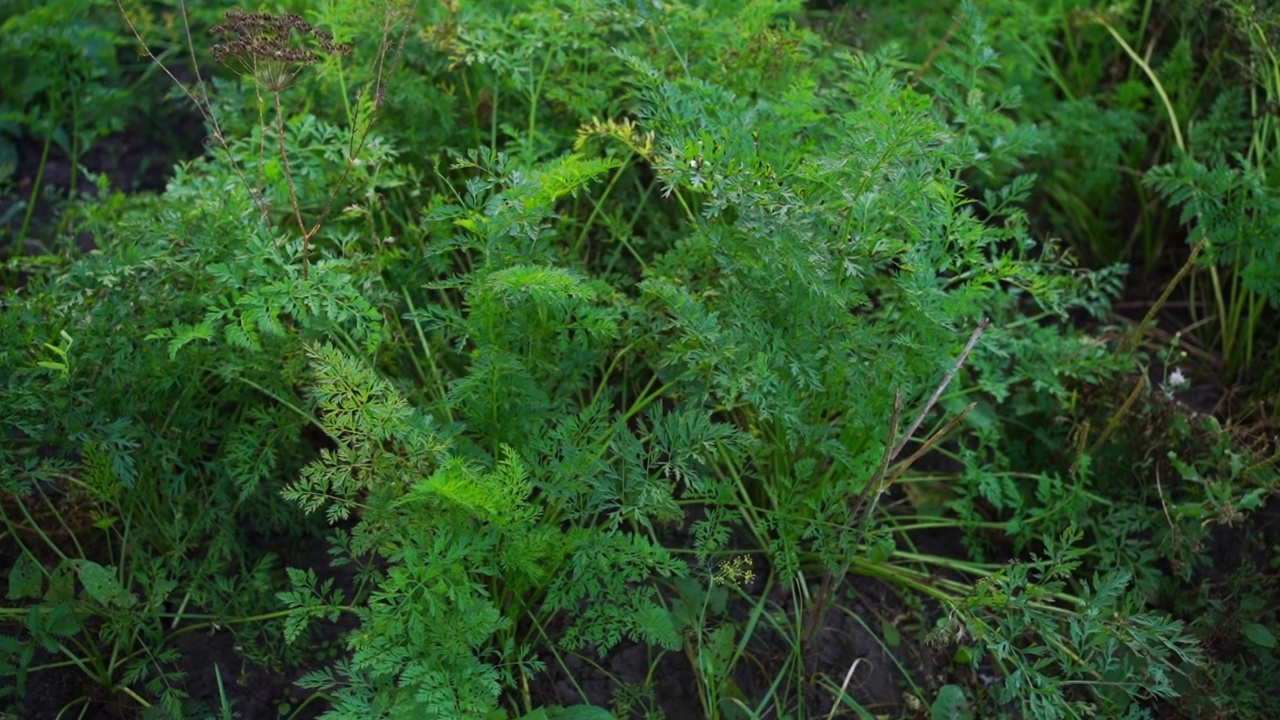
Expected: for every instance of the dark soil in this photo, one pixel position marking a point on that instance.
(139, 159)
(639, 678)
(253, 689)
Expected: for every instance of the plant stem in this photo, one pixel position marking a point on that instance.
(35, 190)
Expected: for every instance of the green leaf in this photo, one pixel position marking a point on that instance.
(890, 633)
(24, 578)
(950, 704)
(102, 585)
(658, 626)
(50, 621)
(1259, 635)
(187, 334)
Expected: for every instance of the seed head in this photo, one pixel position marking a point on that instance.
(261, 45)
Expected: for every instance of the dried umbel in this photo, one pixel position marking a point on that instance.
(262, 45)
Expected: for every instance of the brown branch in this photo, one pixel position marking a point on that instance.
(937, 393)
(288, 178)
(862, 508)
(200, 99)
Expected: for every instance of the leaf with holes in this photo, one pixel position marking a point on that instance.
(102, 585)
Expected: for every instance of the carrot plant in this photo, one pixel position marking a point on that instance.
(1132, 101)
(618, 302)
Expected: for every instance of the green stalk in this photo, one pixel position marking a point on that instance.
(1151, 75)
(535, 92)
(435, 375)
(35, 190)
(1130, 344)
(1227, 334)
(624, 241)
(595, 211)
(31, 523)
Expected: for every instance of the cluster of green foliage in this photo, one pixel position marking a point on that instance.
(572, 325)
(70, 80)
(1156, 123)
(1159, 121)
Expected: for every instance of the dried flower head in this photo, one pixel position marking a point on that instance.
(262, 46)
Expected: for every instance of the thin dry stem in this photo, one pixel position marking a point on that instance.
(1113, 424)
(937, 393)
(200, 98)
(260, 42)
(844, 686)
(861, 509)
(288, 178)
(928, 445)
(1131, 343)
(885, 460)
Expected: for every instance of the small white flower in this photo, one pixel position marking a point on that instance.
(1175, 382)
